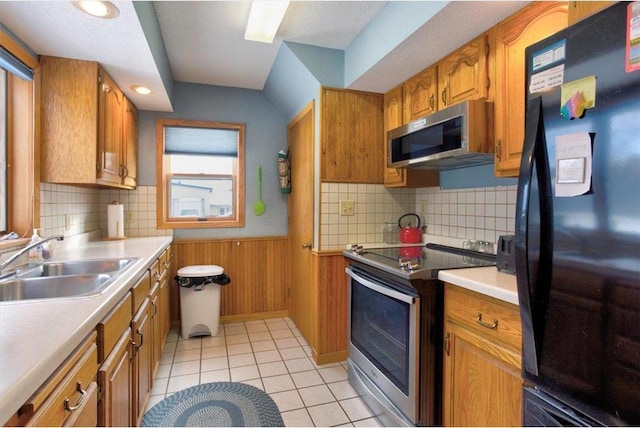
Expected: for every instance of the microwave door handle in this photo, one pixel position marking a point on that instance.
(381, 289)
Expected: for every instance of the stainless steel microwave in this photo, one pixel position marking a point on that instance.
(456, 137)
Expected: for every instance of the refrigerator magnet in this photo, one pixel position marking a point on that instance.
(573, 164)
(632, 54)
(577, 96)
(547, 67)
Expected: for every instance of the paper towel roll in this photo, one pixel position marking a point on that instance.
(115, 221)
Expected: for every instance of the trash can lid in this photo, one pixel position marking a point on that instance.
(200, 270)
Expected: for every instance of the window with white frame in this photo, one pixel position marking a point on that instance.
(201, 174)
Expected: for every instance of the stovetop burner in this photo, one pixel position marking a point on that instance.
(420, 261)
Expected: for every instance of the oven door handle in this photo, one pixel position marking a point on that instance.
(381, 288)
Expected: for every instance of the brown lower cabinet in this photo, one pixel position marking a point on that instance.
(482, 360)
(107, 379)
(114, 378)
(69, 396)
(142, 361)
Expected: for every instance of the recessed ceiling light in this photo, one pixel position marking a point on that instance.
(100, 9)
(264, 19)
(142, 90)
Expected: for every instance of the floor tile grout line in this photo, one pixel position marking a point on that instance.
(315, 368)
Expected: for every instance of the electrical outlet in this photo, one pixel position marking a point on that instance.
(424, 207)
(131, 217)
(67, 222)
(346, 207)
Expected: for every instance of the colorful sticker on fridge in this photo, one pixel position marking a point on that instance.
(633, 38)
(577, 96)
(546, 79)
(549, 55)
(573, 164)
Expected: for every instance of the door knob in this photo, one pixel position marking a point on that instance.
(307, 245)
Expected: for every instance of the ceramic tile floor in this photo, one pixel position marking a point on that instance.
(272, 355)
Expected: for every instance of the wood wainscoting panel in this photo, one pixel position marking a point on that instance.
(258, 268)
(330, 340)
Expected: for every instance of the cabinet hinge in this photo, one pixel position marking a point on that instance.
(488, 82)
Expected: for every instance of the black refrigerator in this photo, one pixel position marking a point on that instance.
(578, 224)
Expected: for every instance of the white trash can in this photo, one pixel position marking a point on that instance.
(200, 299)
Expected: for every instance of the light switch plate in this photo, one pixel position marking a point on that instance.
(346, 207)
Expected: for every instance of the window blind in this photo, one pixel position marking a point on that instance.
(200, 141)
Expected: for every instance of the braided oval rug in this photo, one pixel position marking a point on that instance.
(215, 404)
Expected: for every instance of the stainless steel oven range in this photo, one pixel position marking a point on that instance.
(395, 328)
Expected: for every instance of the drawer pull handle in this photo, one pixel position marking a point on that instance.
(485, 324)
(83, 395)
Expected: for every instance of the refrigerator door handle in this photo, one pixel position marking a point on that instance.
(532, 297)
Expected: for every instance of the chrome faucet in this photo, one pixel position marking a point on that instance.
(19, 253)
(11, 235)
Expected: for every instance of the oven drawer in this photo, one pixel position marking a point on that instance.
(486, 315)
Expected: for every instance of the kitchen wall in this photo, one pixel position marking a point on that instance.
(70, 211)
(266, 134)
(374, 205)
(482, 213)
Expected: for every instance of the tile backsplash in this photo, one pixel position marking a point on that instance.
(479, 213)
(71, 210)
(482, 213)
(374, 205)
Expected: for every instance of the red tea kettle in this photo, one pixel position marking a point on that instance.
(410, 235)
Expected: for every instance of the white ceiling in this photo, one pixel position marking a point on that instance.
(205, 42)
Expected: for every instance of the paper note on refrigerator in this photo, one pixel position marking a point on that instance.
(573, 164)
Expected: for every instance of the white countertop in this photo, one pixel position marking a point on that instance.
(36, 336)
(484, 280)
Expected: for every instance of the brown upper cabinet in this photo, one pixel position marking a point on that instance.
(129, 171)
(394, 101)
(351, 136)
(94, 150)
(579, 10)
(464, 74)
(419, 95)
(512, 36)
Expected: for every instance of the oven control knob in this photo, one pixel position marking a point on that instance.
(357, 249)
(408, 265)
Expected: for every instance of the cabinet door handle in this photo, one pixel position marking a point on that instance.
(134, 350)
(444, 96)
(485, 324)
(447, 344)
(83, 396)
(499, 150)
(431, 101)
(307, 245)
(139, 345)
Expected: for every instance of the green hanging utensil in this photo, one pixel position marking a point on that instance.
(259, 208)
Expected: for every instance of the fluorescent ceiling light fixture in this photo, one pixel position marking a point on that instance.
(264, 19)
(142, 90)
(100, 9)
